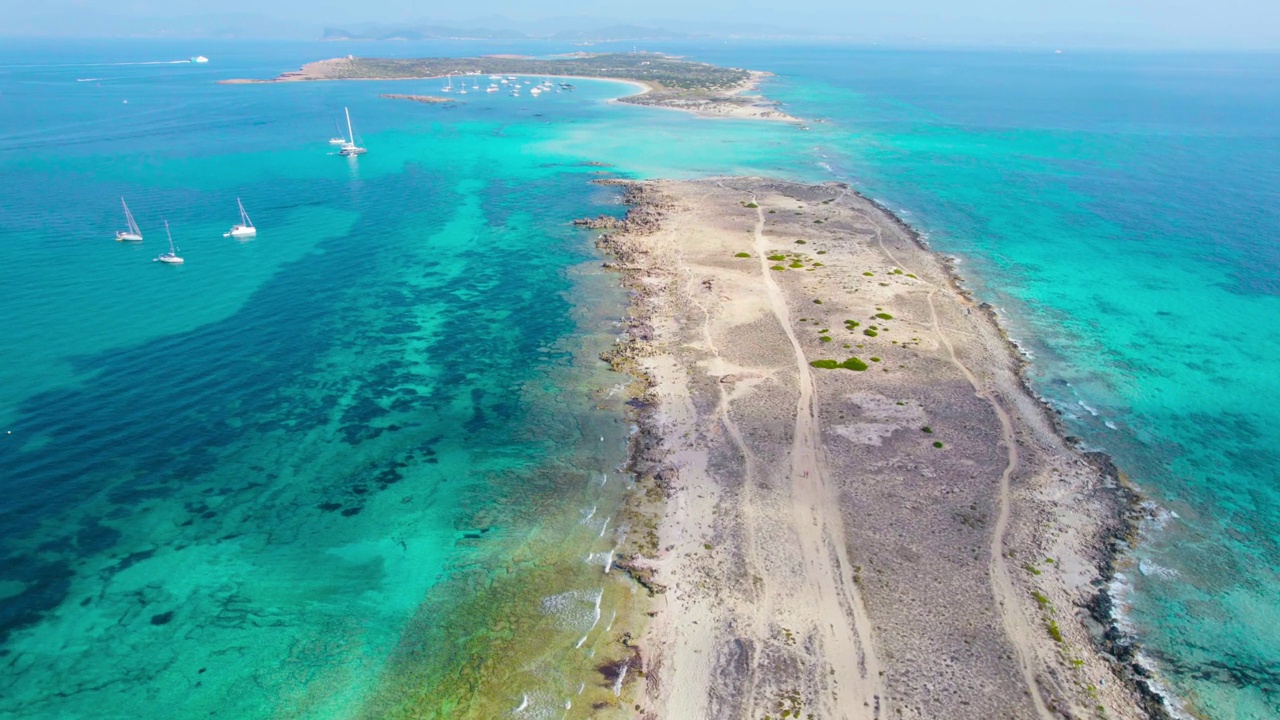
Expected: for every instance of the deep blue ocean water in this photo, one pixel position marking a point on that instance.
(351, 462)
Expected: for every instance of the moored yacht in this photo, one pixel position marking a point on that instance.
(350, 148)
(170, 257)
(132, 234)
(245, 228)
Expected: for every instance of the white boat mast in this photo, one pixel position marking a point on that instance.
(128, 216)
(244, 216)
(351, 136)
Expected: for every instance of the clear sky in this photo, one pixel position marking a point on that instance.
(1144, 23)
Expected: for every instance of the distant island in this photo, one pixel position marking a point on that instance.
(613, 33)
(701, 88)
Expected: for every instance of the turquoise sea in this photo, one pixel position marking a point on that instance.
(365, 465)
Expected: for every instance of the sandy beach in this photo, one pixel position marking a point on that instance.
(910, 540)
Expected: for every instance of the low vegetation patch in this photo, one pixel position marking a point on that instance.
(854, 363)
(884, 316)
(870, 333)
(938, 444)
(778, 267)
(743, 255)
(777, 258)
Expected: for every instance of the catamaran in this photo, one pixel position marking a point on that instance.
(243, 230)
(170, 257)
(133, 234)
(349, 147)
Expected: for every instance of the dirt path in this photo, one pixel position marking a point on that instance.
(839, 612)
(1002, 587)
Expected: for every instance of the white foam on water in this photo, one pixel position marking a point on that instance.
(612, 617)
(605, 526)
(524, 703)
(590, 514)
(608, 563)
(604, 478)
(1153, 569)
(582, 687)
(577, 610)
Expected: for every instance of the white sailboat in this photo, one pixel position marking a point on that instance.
(243, 230)
(349, 147)
(170, 257)
(337, 138)
(133, 234)
(449, 86)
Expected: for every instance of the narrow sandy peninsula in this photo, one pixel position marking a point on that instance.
(849, 505)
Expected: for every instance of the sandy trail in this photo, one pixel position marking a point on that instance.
(847, 633)
(1015, 625)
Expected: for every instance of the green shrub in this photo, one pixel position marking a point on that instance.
(825, 364)
(870, 333)
(801, 242)
(743, 255)
(854, 363)
(822, 252)
(884, 316)
(926, 429)
(816, 301)
(797, 264)
(1040, 598)
(825, 338)
(913, 277)
(875, 359)
(868, 273)
(752, 205)
(778, 267)
(1054, 632)
(777, 258)
(817, 222)
(938, 444)
(772, 212)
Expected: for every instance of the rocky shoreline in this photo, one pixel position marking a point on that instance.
(425, 99)
(1055, 485)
